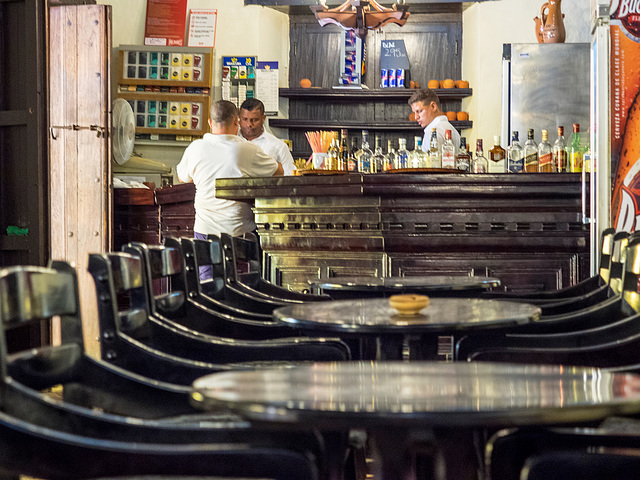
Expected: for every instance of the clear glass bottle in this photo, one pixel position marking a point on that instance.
(448, 151)
(515, 162)
(463, 159)
(434, 156)
(364, 160)
(343, 163)
(480, 162)
(390, 157)
(353, 162)
(545, 154)
(530, 153)
(402, 155)
(497, 157)
(418, 157)
(333, 155)
(575, 154)
(560, 152)
(378, 156)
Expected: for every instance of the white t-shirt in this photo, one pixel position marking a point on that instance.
(222, 156)
(440, 123)
(275, 148)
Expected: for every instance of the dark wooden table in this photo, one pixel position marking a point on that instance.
(405, 336)
(370, 287)
(404, 404)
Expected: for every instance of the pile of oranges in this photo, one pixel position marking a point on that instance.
(448, 83)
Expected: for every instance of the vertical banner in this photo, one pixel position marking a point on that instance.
(165, 23)
(625, 114)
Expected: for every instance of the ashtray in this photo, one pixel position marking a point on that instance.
(408, 304)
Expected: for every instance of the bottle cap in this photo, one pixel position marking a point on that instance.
(576, 127)
(515, 135)
(496, 139)
(560, 131)
(447, 134)
(479, 144)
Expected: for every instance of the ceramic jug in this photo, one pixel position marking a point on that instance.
(550, 28)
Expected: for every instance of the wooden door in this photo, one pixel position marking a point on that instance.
(80, 176)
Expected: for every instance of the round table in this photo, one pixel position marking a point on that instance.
(369, 287)
(403, 402)
(374, 318)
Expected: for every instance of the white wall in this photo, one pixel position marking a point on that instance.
(488, 25)
(243, 31)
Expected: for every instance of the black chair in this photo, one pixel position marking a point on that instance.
(611, 345)
(181, 308)
(151, 345)
(245, 250)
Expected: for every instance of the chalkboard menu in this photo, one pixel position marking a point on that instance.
(393, 55)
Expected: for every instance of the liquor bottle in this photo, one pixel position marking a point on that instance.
(545, 154)
(333, 154)
(378, 157)
(497, 157)
(402, 156)
(586, 159)
(448, 151)
(575, 155)
(434, 156)
(418, 159)
(364, 160)
(515, 158)
(343, 163)
(353, 162)
(390, 157)
(530, 153)
(463, 159)
(480, 163)
(560, 153)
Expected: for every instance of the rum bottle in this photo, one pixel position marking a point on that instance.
(575, 164)
(530, 152)
(497, 157)
(514, 154)
(333, 155)
(353, 162)
(343, 162)
(545, 154)
(364, 160)
(448, 151)
(390, 157)
(378, 157)
(418, 157)
(402, 156)
(560, 153)
(463, 159)
(434, 158)
(480, 163)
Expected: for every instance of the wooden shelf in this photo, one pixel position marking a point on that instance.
(358, 125)
(358, 95)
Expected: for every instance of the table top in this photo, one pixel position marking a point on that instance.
(381, 394)
(393, 284)
(376, 316)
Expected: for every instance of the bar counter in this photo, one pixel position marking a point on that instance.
(524, 229)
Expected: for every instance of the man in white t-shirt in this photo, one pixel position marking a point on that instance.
(222, 154)
(252, 119)
(425, 105)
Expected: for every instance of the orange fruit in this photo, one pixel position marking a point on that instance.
(305, 83)
(448, 83)
(433, 84)
(412, 117)
(462, 116)
(462, 84)
(451, 116)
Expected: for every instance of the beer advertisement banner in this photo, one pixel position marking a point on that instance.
(625, 114)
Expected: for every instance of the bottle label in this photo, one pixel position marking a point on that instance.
(561, 161)
(516, 166)
(351, 165)
(462, 163)
(531, 162)
(448, 160)
(576, 162)
(545, 162)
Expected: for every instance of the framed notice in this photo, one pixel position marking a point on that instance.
(267, 86)
(202, 28)
(165, 23)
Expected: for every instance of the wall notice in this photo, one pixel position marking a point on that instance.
(165, 23)
(202, 28)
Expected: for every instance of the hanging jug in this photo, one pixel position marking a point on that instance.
(550, 24)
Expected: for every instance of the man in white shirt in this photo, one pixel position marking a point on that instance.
(222, 154)
(426, 107)
(252, 119)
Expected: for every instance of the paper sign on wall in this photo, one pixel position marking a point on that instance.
(267, 85)
(165, 23)
(202, 28)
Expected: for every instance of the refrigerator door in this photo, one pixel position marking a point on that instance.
(549, 87)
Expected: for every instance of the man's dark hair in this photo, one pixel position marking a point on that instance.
(223, 112)
(425, 96)
(251, 104)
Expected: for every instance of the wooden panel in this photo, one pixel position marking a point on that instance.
(80, 39)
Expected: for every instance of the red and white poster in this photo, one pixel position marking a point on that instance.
(166, 22)
(625, 114)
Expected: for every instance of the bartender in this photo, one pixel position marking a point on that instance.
(252, 119)
(425, 105)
